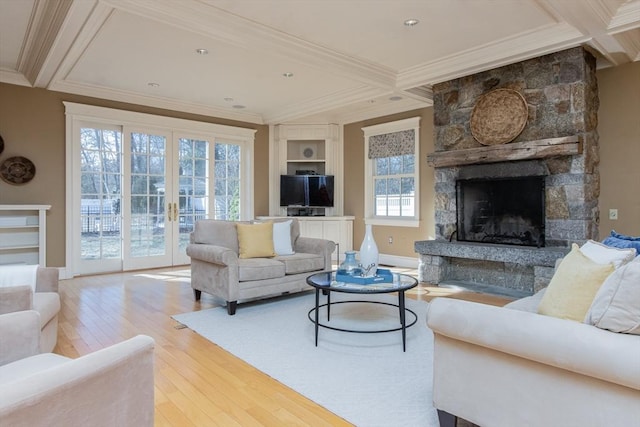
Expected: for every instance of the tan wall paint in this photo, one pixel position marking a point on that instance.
(619, 130)
(403, 237)
(32, 124)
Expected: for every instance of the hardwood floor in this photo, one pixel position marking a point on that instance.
(196, 382)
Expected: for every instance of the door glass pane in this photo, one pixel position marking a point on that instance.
(193, 198)
(100, 193)
(148, 169)
(227, 182)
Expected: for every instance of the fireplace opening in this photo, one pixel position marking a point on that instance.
(502, 211)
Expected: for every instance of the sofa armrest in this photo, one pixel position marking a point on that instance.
(47, 279)
(565, 344)
(213, 254)
(15, 298)
(19, 335)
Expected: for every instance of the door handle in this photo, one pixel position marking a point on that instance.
(169, 211)
(175, 211)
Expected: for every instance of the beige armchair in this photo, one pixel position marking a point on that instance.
(110, 387)
(45, 300)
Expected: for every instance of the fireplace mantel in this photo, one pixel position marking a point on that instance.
(542, 148)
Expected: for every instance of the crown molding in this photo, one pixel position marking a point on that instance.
(376, 111)
(627, 17)
(630, 42)
(14, 78)
(322, 104)
(493, 55)
(156, 102)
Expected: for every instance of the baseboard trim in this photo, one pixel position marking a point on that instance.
(398, 261)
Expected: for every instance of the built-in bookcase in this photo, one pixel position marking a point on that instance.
(23, 234)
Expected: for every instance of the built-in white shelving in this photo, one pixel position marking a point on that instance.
(23, 234)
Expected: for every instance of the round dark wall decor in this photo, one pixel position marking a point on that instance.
(308, 152)
(499, 117)
(17, 170)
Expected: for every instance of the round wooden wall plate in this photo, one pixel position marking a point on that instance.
(499, 117)
(17, 170)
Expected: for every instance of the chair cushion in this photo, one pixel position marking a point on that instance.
(47, 304)
(29, 366)
(301, 263)
(259, 269)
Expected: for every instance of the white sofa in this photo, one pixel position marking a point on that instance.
(508, 366)
(110, 387)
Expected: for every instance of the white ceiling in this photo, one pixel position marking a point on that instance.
(348, 57)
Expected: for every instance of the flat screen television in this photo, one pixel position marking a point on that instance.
(306, 190)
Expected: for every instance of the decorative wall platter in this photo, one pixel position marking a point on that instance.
(17, 170)
(499, 117)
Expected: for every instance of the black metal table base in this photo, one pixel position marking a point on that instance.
(314, 316)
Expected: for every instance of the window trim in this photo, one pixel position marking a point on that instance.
(383, 128)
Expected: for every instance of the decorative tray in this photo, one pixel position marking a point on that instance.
(382, 276)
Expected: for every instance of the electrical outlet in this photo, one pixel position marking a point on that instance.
(613, 214)
(390, 240)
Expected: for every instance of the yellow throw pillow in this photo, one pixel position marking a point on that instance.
(255, 240)
(574, 286)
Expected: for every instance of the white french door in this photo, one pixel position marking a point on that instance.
(137, 189)
(138, 208)
(169, 190)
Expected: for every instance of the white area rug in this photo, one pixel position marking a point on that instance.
(364, 378)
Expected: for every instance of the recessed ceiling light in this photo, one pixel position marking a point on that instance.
(411, 22)
(153, 84)
(228, 99)
(371, 101)
(239, 107)
(395, 98)
(287, 74)
(202, 51)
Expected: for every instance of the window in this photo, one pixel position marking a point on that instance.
(137, 184)
(392, 173)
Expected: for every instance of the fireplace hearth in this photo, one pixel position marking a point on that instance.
(506, 211)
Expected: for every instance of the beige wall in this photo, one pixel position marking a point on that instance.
(619, 130)
(32, 124)
(403, 237)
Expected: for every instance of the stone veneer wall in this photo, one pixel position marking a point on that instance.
(562, 96)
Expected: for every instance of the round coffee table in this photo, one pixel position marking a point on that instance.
(325, 283)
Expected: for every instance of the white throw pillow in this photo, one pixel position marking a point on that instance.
(282, 238)
(616, 306)
(603, 254)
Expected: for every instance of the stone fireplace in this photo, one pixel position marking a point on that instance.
(558, 147)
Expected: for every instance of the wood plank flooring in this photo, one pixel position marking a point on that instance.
(196, 382)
